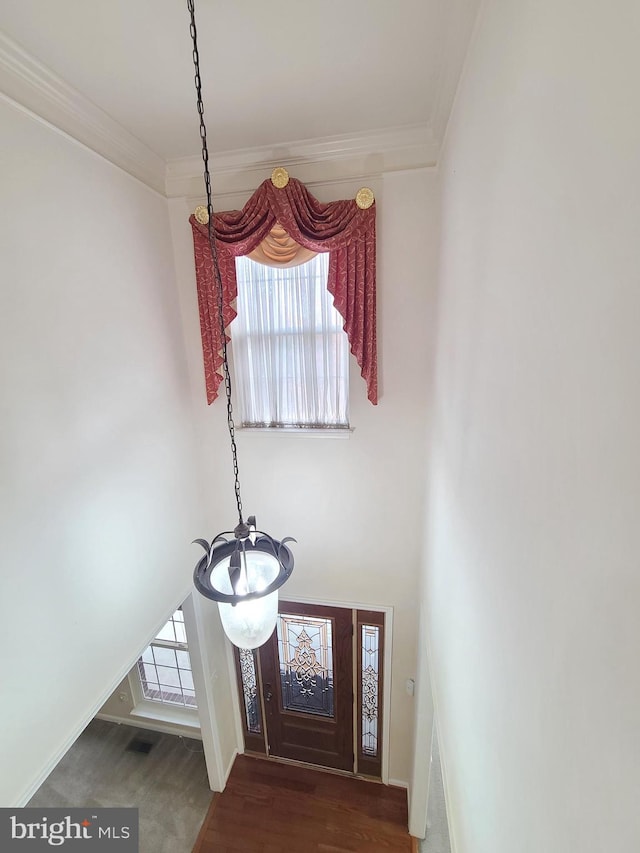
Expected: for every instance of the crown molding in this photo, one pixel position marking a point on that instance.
(35, 87)
(332, 158)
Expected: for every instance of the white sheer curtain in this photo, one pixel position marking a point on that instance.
(290, 352)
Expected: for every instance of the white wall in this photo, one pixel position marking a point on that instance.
(98, 490)
(533, 585)
(423, 731)
(354, 505)
(220, 688)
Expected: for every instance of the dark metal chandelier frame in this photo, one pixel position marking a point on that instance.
(246, 539)
(238, 548)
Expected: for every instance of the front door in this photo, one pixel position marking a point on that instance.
(307, 685)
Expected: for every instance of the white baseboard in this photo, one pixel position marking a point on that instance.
(230, 765)
(398, 783)
(447, 801)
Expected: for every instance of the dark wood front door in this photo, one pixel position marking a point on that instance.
(307, 685)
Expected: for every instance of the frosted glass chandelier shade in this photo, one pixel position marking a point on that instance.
(249, 624)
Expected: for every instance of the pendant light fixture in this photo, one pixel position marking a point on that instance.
(242, 569)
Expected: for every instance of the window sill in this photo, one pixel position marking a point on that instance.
(300, 432)
(186, 717)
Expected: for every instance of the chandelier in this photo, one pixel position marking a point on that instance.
(242, 569)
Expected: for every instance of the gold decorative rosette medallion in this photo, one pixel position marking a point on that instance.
(364, 198)
(279, 177)
(201, 214)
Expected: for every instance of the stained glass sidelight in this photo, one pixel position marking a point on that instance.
(370, 688)
(250, 690)
(306, 664)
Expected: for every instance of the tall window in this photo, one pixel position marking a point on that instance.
(165, 666)
(290, 351)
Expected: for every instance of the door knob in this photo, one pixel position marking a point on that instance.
(267, 693)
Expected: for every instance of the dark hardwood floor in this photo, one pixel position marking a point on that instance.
(269, 807)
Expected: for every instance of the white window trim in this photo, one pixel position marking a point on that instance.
(301, 432)
(163, 712)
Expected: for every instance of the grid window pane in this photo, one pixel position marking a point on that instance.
(168, 676)
(184, 662)
(186, 679)
(167, 632)
(164, 657)
(168, 694)
(148, 671)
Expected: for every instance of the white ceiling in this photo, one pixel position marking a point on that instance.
(273, 71)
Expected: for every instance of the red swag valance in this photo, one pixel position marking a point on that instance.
(341, 228)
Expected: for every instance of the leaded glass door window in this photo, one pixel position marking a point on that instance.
(305, 651)
(369, 635)
(248, 675)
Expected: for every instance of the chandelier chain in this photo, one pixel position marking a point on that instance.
(214, 254)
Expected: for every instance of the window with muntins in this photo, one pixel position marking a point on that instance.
(165, 667)
(290, 351)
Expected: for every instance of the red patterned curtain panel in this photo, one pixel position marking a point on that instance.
(341, 228)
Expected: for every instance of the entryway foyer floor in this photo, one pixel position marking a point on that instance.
(270, 807)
